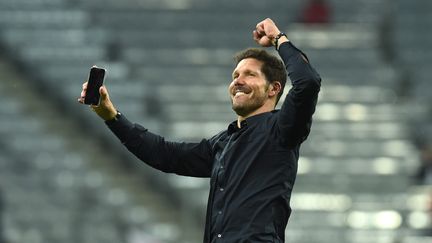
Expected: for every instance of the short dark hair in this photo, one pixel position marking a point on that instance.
(273, 68)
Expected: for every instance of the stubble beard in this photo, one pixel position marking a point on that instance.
(247, 107)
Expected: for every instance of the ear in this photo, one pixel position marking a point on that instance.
(274, 89)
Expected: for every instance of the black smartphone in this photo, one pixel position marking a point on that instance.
(95, 81)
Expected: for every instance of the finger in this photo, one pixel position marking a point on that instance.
(104, 93)
(84, 85)
(260, 24)
(255, 35)
(265, 41)
(268, 21)
(258, 34)
(83, 93)
(84, 89)
(260, 28)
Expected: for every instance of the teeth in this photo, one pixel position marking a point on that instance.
(239, 93)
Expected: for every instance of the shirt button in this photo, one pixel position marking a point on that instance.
(219, 236)
(220, 212)
(221, 166)
(221, 189)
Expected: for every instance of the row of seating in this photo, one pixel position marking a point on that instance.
(50, 191)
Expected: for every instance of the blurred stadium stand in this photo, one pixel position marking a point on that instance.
(65, 178)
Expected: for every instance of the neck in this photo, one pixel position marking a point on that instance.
(262, 109)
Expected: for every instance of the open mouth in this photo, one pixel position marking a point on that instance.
(239, 93)
(241, 90)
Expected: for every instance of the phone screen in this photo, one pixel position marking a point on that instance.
(95, 81)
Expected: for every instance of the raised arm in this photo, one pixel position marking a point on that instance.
(295, 117)
(189, 159)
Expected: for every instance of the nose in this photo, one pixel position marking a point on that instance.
(239, 81)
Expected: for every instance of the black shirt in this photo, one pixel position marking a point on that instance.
(252, 169)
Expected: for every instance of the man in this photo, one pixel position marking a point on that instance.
(252, 164)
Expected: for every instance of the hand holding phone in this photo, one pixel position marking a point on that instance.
(95, 81)
(96, 97)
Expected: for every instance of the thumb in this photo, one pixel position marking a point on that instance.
(104, 93)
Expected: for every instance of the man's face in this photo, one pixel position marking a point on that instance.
(248, 90)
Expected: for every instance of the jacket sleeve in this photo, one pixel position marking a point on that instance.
(189, 159)
(295, 117)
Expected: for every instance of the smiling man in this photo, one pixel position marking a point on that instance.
(257, 83)
(252, 165)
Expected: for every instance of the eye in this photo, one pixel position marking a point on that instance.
(250, 73)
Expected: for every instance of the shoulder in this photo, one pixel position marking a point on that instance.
(219, 136)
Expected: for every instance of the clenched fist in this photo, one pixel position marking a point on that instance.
(265, 33)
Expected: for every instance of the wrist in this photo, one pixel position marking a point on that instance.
(106, 114)
(113, 117)
(282, 40)
(279, 39)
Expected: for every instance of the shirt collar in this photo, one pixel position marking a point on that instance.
(250, 121)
